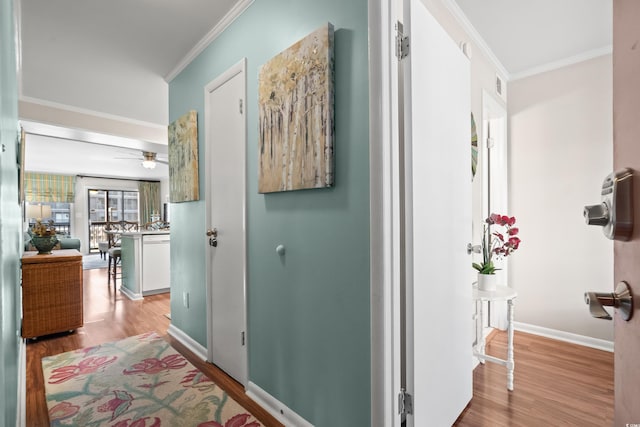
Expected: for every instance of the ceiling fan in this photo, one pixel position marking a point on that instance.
(149, 159)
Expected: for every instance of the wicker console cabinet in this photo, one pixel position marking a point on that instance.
(51, 292)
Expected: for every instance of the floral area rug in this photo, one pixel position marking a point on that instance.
(140, 381)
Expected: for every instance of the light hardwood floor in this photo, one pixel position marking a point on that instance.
(556, 384)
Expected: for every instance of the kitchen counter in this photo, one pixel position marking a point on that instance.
(145, 263)
(136, 233)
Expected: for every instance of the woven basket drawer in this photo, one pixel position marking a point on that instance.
(51, 295)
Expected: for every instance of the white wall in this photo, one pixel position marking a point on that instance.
(70, 117)
(561, 148)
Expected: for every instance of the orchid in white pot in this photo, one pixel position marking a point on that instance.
(501, 243)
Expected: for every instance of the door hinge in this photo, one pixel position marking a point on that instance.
(240, 105)
(405, 403)
(242, 337)
(402, 42)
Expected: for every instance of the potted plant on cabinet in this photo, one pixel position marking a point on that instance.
(43, 237)
(501, 244)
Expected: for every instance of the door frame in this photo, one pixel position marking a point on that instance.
(239, 68)
(386, 216)
(385, 212)
(492, 112)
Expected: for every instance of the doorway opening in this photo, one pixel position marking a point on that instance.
(495, 189)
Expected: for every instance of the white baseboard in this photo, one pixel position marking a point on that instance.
(276, 408)
(21, 415)
(194, 346)
(564, 336)
(131, 295)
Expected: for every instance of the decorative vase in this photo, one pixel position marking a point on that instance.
(44, 244)
(487, 282)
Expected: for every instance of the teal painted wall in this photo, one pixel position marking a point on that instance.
(128, 261)
(10, 237)
(309, 328)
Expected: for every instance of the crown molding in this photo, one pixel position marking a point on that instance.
(231, 16)
(585, 56)
(475, 36)
(85, 111)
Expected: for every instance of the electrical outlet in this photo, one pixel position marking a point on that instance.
(185, 299)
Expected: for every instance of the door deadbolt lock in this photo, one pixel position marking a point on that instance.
(213, 242)
(615, 213)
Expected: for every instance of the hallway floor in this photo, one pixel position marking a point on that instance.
(110, 318)
(556, 384)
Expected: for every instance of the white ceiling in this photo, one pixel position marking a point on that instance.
(526, 35)
(112, 57)
(152, 34)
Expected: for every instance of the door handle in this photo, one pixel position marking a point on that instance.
(621, 298)
(213, 237)
(476, 249)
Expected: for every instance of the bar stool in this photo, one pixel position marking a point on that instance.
(103, 247)
(112, 271)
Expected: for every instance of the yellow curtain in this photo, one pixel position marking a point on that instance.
(41, 187)
(149, 193)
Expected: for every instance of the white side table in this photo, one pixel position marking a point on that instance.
(502, 293)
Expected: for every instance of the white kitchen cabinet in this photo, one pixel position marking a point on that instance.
(145, 263)
(155, 263)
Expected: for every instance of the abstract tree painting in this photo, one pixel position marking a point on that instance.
(183, 159)
(296, 129)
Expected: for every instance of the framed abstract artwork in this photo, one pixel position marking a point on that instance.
(296, 116)
(183, 159)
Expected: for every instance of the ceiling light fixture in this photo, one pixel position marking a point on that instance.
(149, 161)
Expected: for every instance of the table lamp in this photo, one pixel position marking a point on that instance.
(38, 212)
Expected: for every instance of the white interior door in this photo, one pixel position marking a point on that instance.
(225, 126)
(438, 221)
